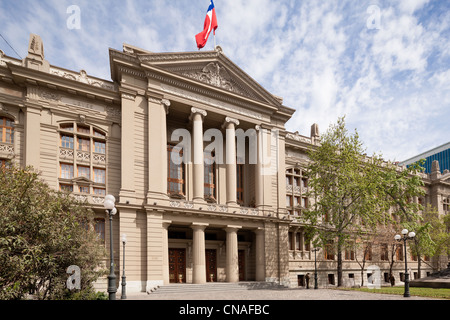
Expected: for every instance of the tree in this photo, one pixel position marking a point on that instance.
(436, 242)
(345, 186)
(42, 233)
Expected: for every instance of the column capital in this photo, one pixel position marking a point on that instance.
(166, 223)
(195, 110)
(199, 226)
(232, 228)
(259, 231)
(229, 120)
(164, 102)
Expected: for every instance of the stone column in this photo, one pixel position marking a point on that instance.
(197, 116)
(230, 164)
(232, 264)
(260, 265)
(259, 182)
(165, 251)
(157, 149)
(198, 253)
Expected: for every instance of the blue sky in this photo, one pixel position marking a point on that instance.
(385, 65)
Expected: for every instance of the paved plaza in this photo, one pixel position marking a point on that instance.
(272, 294)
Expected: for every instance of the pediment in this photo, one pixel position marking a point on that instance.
(212, 68)
(81, 180)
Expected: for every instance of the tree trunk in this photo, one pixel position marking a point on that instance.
(339, 264)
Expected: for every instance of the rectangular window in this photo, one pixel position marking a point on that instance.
(288, 201)
(99, 175)
(305, 202)
(291, 243)
(99, 147)
(99, 227)
(240, 184)
(67, 142)
(288, 180)
(6, 130)
(304, 183)
(84, 172)
(84, 189)
(298, 241)
(384, 252)
(66, 171)
(175, 174)
(66, 187)
(349, 252)
(368, 252)
(329, 251)
(99, 191)
(399, 252)
(210, 176)
(84, 144)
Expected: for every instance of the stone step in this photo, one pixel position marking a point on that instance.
(217, 286)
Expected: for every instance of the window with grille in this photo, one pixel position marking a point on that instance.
(176, 174)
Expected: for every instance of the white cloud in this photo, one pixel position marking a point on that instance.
(392, 84)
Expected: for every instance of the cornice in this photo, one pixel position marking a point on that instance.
(26, 76)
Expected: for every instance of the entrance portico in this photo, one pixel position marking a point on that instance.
(200, 253)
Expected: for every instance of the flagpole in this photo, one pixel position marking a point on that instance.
(214, 41)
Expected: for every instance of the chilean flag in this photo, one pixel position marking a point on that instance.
(210, 25)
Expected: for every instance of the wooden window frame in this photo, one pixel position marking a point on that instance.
(209, 177)
(63, 142)
(83, 167)
(170, 180)
(61, 171)
(240, 183)
(103, 175)
(6, 129)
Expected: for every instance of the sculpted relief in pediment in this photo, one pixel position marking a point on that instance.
(215, 75)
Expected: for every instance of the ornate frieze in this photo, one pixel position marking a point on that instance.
(297, 137)
(211, 101)
(83, 78)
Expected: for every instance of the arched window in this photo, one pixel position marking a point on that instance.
(6, 130)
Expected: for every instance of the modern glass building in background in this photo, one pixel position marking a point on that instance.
(441, 154)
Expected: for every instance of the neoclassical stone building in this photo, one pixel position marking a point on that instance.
(191, 221)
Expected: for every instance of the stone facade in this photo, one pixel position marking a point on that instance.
(189, 222)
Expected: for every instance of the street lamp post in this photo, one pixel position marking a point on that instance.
(124, 283)
(109, 205)
(406, 236)
(315, 267)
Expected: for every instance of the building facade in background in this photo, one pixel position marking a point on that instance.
(210, 186)
(440, 154)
